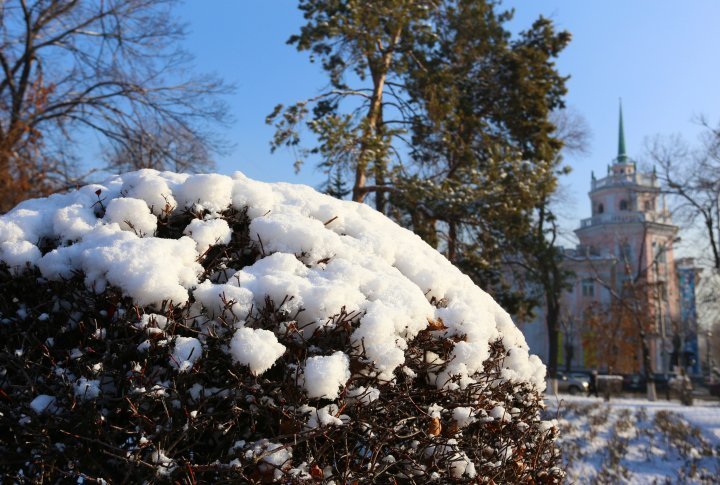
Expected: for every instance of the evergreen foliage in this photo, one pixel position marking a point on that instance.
(335, 185)
(363, 43)
(483, 124)
(449, 113)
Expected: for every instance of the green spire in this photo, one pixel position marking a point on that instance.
(622, 156)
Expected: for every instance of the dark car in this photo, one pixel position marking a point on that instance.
(634, 383)
(637, 382)
(714, 388)
(662, 381)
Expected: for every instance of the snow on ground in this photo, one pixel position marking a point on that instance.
(637, 441)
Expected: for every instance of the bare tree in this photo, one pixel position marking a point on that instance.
(112, 67)
(166, 146)
(692, 176)
(572, 128)
(540, 258)
(636, 306)
(708, 309)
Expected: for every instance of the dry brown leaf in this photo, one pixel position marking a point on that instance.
(436, 324)
(435, 427)
(316, 472)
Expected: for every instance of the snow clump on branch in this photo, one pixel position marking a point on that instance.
(299, 310)
(322, 252)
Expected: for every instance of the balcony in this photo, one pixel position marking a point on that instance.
(625, 179)
(625, 217)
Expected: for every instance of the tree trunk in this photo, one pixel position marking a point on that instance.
(359, 191)
(713, 243)
(424, 226)
(452, 241)
(568, 355)
(374, 115)
(647, 367)
(6, 192)
(380, 196)
(551, 320)
(16, 182)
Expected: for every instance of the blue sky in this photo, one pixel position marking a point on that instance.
(659, 56)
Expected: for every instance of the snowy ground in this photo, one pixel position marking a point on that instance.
(636, 441)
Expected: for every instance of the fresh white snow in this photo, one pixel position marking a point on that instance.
(321, 254)
(43, 404)
(325, 375)
(255, 348)
(637, 441)
(187, 351)
(208, 233)
(131, 215)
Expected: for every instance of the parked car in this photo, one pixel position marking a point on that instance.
(609, 384)
(662, 381)
(573, 383)
(714, 388)
(634, 383)
(637, 383)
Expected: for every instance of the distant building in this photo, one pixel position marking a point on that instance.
(688, 277)
(625, 276)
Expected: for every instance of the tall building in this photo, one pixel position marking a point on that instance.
(688, 277)
(625, 279)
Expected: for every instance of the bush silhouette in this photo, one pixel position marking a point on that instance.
(313, 344)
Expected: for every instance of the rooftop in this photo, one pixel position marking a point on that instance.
(648, 181)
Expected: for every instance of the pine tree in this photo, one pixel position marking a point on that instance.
(448, 112)
(484, 145)
(362, 47)
(335, 185)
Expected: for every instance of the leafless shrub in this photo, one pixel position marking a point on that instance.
(219, 422)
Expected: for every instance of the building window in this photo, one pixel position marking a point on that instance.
(625, 252)
(659, 250)
(623, 205)
(588, 287)
(600, 208)
(649, 205)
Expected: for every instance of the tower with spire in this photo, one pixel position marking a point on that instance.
(622, 156)
(624, 273)
(626, 246)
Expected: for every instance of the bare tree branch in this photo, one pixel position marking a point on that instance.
(110, 66)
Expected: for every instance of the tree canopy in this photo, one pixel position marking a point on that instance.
(445, 110)
(691, 174)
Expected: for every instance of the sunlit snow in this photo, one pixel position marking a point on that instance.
(320, 255)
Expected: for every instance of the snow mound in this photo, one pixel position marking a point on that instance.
(211, 328)
(321, 258)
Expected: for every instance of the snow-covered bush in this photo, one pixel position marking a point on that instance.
(196, 328)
